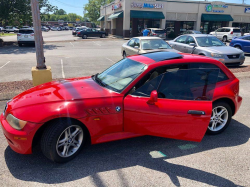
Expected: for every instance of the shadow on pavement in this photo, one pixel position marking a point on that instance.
(127, 153)
(29, 48)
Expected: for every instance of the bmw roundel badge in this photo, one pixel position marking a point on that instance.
(118, 109)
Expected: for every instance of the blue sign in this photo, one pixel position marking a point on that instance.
(247, 10)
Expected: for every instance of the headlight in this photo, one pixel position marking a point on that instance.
(15, 123)
(216, 55)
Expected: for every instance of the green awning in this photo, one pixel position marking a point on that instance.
(116, 15)
(146, 14)
(216, 17)
(100, 18)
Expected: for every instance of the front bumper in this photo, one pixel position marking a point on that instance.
(19, 141)
(231, 62)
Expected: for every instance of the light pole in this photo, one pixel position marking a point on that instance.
(40, 74)
(38, 34)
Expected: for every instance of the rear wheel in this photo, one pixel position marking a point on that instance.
(220, 118)
(62, 141)
(238, 47)
(224, 39)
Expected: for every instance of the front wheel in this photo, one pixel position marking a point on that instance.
(103, 36)
(238, 47)
(62, 141)
(124, 55)
(220, 118)
(84, 36)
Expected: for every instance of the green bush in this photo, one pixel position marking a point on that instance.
(171, 35)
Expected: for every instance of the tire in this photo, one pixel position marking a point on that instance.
(103, 36)
(216, 126)
(20, 45)
(55, 144)
(84, 36)
(124, 55)
(224, 39)
(238, 47)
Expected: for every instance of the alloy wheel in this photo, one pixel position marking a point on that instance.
(69, 141)
(218, 119)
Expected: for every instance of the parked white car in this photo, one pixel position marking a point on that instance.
(226, 33)
(11, 29)
(25, 36)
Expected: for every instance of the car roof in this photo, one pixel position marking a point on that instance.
(199, 35)
(147, 37)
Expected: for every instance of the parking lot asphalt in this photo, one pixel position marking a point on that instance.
(67, 58)
(220, 160)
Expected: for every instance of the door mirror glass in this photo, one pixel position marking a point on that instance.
(153, 97)
(192, 44)
(136, 47)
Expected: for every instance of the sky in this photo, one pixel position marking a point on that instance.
(76, 6)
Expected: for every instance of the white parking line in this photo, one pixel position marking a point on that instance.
(63, 75)
(4, 65)
(97, 43)
(110, 60)
(72, 44)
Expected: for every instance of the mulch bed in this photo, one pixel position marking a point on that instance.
(10, 89)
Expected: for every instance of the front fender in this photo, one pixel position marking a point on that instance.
(41, 113)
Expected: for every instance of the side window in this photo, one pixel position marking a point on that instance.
(190, 40)
(131, 43)
(88, 30)
(152, 79)
(137, 42)
(94, 30)
(181, 39)
(219, 30)
(221, 75)
(227, 30)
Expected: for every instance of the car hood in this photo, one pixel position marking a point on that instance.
(63, 90)
(222, 50)
(155, 50)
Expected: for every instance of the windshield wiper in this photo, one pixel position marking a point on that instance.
(99, 80)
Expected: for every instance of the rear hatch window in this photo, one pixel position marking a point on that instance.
(159, 31)
(236, 30)
(26, 31)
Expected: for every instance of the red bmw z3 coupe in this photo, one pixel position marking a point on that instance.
(163, 94)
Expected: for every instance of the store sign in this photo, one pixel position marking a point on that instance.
(218, 8)
(247, 10)
(116, 6)
(146, 5)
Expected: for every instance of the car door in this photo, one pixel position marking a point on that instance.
(189, 49)
(182, 110)
(180, 43)
(130, 47)
(95, 33)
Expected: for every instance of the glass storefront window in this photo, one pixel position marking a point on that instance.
(186, 25)
(245, 27)
(207, 27)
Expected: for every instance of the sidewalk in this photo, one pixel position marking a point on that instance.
(10, 89)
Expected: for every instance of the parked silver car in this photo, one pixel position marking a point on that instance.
(140, 45)
(157, 32)
(210, 46)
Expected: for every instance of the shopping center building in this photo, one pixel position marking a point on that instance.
(128, 17)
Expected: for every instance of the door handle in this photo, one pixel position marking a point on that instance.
(196, 112)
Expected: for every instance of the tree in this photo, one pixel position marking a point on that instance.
(93, 9)
(18, 12)
(60, 12)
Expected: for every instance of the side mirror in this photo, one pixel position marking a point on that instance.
(192, 44)
(136, 47)
(153, 97)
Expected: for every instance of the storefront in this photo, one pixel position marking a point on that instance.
(128, 18)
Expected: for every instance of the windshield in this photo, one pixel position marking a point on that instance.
(120, 75)
(154, 44)
(209, 41)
